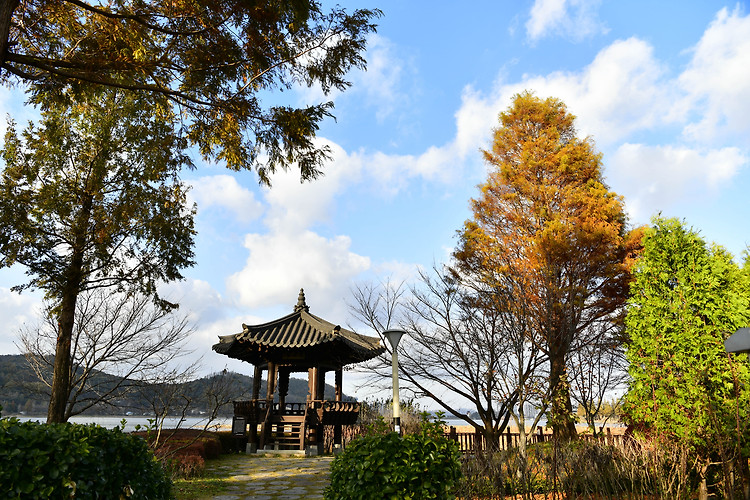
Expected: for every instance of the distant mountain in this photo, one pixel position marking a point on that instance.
(21, 392)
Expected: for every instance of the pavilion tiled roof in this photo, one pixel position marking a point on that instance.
(299, 331)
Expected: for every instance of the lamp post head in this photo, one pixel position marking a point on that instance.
(394, 336)
(739, 341)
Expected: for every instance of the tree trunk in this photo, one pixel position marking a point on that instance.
(491, 439)
(703, 488)
(745, 475)
(61, 374)
(561, 409)
(7, 8)
(521, 423)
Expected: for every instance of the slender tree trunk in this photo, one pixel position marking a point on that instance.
(561, 408)
(61, 374)
(7, 7)
(62, 370)
(744, 475)
(703, 488)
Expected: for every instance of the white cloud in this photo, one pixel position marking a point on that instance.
(572, 19)
(626, 91)
(16, 310)
(225, 192)
(296, 205)
(198, 300)
(622, 91)
(383, 86)
(652, 178)
(281, 263)
(717, 80)
(290, 255)
(207, 334)
(383, 81)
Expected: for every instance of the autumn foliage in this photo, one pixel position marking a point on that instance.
(548, 233)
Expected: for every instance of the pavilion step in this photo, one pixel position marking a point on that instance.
(286, 433)
(287, 419)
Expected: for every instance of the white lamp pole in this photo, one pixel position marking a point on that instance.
(394, 336)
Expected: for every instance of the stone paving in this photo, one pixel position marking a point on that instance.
(273, 477)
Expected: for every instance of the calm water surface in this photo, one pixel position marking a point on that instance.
(132, 421)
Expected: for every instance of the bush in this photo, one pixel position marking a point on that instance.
(578, 469)
(424, 465)
(82, 461)
(184, 451)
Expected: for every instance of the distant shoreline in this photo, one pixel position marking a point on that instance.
(131, 421)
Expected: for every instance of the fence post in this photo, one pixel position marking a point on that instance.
(509, 439)
(610, 439)
(477, 440)
(540, 439)
(452, 434)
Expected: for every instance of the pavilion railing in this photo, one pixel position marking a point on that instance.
(331, 412)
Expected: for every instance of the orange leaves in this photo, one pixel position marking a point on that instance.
(546, 222)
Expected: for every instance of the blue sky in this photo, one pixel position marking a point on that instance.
(662, 87)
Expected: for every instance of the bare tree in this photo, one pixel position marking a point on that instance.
(458, 348)
(176, 396)
(597, 367)
(121, 341)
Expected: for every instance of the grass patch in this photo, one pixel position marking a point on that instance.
(197, 488)
(208, 485)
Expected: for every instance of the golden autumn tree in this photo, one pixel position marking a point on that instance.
(547, 233)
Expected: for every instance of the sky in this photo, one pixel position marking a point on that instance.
(663, 88)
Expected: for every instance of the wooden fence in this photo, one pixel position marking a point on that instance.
(470, 442)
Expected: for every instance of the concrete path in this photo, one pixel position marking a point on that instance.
(273, 477)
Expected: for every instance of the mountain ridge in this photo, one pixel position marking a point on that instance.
(21, 392)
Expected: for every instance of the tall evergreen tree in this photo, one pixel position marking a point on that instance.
(685, 299)
(91, 199)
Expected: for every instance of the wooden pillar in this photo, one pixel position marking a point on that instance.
(283, 387)
(321, 379)
(254, 417)
(311, 384)
(257, 377)
(339, 395)
(271, 385)
(320, 431)
(265, 429)
(339, 382)
(312, 380)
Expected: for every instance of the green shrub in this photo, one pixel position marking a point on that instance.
(424, 465)
(82, 461)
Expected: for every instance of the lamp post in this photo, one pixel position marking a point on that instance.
(394, 336)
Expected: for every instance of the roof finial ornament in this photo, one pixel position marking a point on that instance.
(301, 304)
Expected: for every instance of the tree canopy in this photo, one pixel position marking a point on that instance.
(216, 63)
(547, 232)
(91, 199)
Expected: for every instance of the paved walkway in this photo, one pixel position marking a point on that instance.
(273, 477)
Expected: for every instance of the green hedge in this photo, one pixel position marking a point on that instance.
(81, 461)
(386, 466)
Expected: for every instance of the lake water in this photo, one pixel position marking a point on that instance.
(132, 421)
